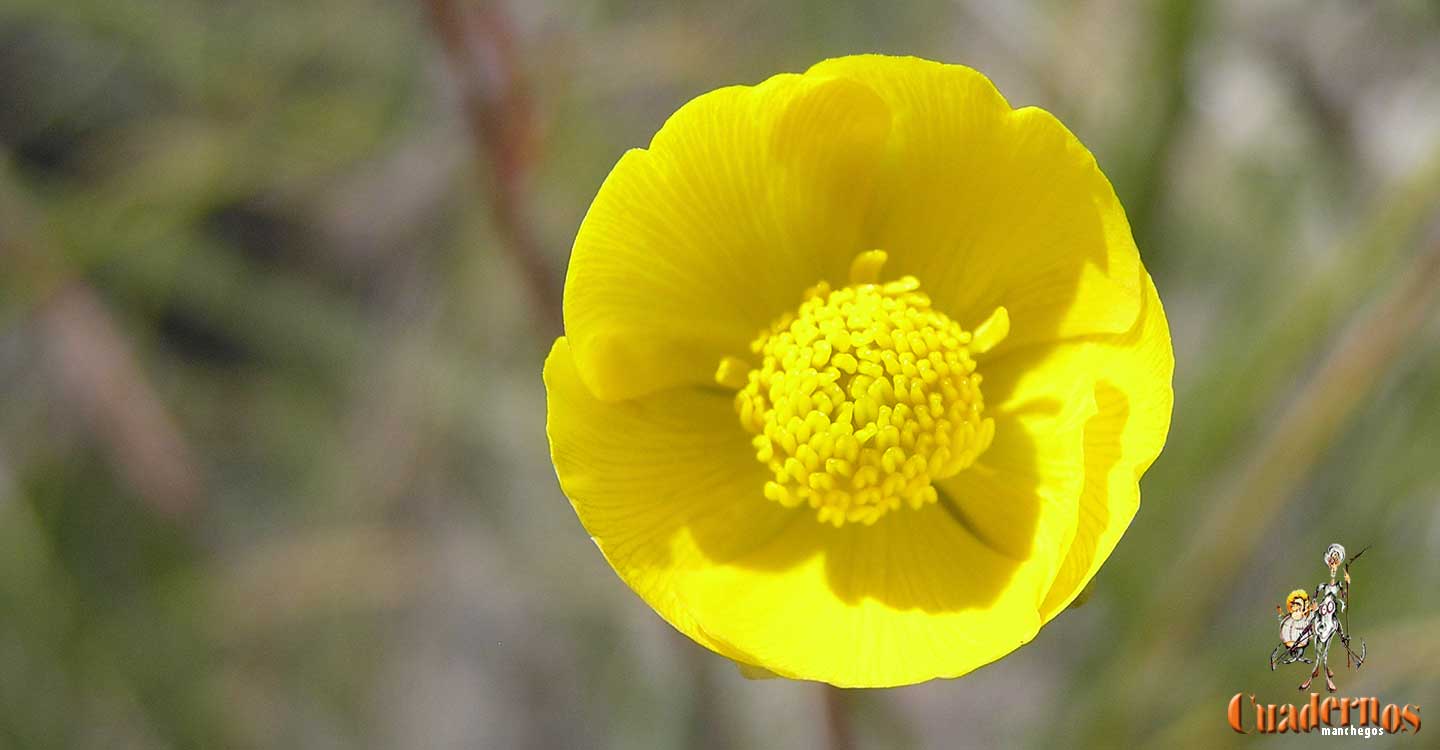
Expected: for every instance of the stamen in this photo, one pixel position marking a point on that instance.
(865, 269)
(864, 397)
(991, 332)
(732, 372)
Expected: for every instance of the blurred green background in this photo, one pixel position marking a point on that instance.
(276, 282)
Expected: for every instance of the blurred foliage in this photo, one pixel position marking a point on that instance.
(272, 462)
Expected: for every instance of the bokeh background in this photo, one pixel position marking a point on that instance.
(277, 279)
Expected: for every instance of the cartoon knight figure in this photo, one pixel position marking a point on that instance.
(1331, 598)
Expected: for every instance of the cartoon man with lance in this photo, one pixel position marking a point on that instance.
(1329, 601)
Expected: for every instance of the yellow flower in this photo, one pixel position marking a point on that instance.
(861, 372)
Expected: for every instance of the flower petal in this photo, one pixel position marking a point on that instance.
(746, 197)
(665, 484)
(991, 206)
(1135, 399)
(1022, 496)
(911, 598)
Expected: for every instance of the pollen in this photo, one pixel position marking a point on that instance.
(864, 397)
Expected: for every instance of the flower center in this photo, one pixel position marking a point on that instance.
(865, 396)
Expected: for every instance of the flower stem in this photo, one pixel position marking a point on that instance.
(480, 46)
(838, 730)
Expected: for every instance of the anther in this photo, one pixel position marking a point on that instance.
(732, 373)
(865, 269)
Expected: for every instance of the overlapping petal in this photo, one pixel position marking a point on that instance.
(913, 597)
(995, 206)
(1134, 399)
(695, 244)
(1020, 497)
(1074, 513)
(662, 483)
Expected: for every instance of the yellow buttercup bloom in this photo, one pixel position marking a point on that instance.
(861, 371)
